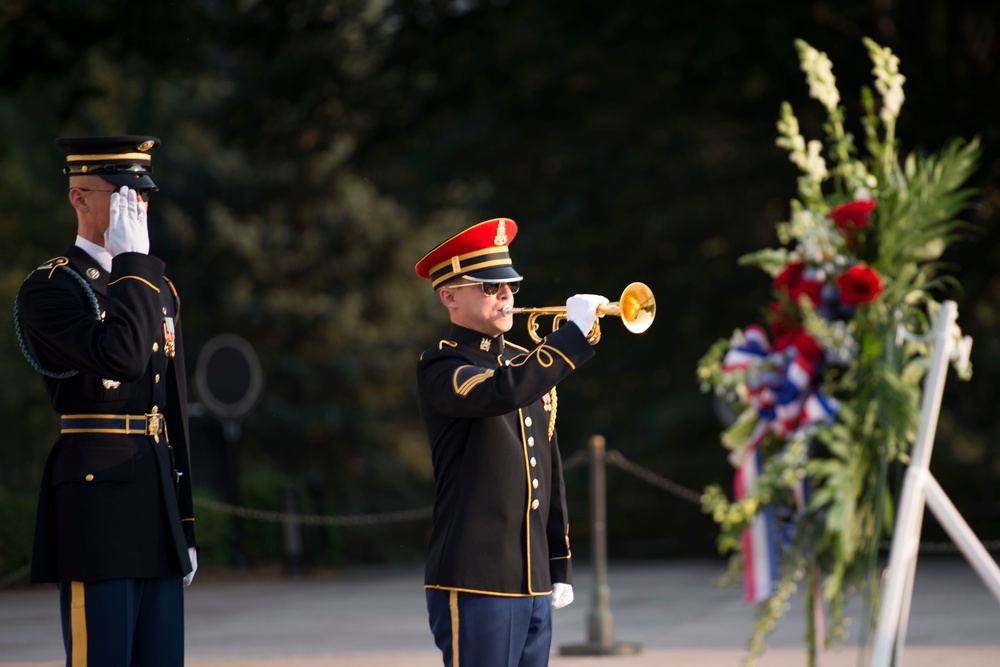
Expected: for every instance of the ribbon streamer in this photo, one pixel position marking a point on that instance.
(781, 389)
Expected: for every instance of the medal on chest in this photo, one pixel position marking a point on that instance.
(169, 338)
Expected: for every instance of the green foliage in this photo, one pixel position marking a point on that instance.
(214, 531)
(17, 524)
(264, 489)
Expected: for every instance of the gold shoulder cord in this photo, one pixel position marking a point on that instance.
(552, 413)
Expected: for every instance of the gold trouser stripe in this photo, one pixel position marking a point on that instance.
(78, 625)
(453, 606)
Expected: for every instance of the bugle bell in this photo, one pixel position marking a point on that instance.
(636, 308)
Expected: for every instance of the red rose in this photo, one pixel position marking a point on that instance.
(851, 218)
(859, 284)
(792, 281)
(781, 318)
(853, 215)
(807, 346)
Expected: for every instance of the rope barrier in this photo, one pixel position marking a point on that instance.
(615, 458)
(580, 458)
(576, 460)
(314, 519)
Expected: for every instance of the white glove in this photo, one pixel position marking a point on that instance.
(189, 577)
(127, 231)
(581, 310)
(562, 595)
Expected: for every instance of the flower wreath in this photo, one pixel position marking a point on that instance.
(827, 392)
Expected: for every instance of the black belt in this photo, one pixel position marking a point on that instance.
(150, 424)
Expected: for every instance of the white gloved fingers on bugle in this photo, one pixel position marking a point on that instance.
(581, 310)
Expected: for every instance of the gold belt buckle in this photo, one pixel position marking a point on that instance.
(154, 423)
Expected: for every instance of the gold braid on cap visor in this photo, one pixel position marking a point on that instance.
(478, 260)
(109, 159)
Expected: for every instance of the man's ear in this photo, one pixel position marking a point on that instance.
(77, 199)
(447, 297)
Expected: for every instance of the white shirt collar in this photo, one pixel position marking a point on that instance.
(99, 253)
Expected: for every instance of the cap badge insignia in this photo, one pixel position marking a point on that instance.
(501, 237)
(456, 264)
(144, 146)
(93, 273)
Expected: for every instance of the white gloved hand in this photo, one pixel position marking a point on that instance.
(562, 595)
(581, 310)
(189, 577)
(127, 231)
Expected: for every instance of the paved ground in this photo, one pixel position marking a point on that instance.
(374, 617)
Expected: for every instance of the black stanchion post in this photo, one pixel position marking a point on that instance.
(600, 622)
(320, 539)
(294, 557)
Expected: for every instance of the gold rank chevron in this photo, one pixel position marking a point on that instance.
(469, 384)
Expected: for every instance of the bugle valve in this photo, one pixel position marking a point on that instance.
(636, 308)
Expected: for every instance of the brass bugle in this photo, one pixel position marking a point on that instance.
(636, 308)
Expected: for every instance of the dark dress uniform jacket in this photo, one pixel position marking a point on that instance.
(500, 525)
(110, 505)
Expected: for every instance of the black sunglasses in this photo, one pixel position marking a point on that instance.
(491, 289)
(143, 194)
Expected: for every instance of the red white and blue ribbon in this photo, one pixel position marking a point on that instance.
(781, 391)
(760, 557)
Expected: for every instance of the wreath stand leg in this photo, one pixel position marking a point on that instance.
(920, 488)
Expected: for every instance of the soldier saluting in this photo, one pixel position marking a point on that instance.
(115, 521)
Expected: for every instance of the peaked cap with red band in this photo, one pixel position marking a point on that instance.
(479, 253)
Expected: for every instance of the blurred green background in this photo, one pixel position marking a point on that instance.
(314, 150)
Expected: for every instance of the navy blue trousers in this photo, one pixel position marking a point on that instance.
(123, 622)
(475, 630)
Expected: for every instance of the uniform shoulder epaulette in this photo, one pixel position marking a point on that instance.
(440, 346)
(53, 264)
